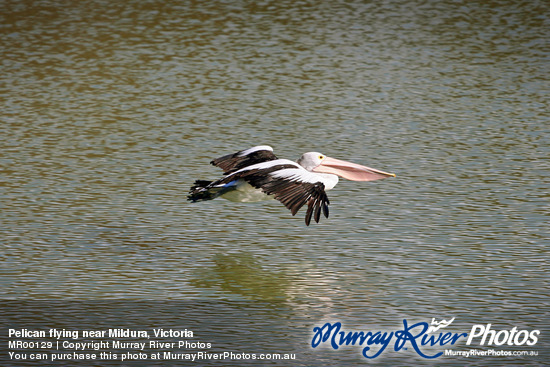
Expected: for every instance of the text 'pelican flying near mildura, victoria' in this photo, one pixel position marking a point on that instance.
(256, 174)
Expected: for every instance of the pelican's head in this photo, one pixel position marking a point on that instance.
(320, 163)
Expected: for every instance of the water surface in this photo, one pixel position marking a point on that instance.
(112, 109)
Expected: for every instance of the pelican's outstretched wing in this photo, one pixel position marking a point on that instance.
(294, 187)
(233, 162)
(288, 182)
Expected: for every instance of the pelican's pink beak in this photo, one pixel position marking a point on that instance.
(350, 171)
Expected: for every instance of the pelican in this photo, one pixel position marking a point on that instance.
(256, 174)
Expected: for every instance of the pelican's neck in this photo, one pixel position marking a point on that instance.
(328, 179)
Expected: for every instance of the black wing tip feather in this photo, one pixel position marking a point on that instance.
(293, 198)
(316, 205)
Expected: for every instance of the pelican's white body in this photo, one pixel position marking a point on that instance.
(245, 193)
(242, 191)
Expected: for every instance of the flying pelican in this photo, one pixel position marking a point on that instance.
(256, 174)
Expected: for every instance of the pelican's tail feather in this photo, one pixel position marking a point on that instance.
(202, 190)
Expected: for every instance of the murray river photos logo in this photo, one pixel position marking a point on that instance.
(421, 337)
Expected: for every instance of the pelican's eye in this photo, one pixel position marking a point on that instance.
(321, 157)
